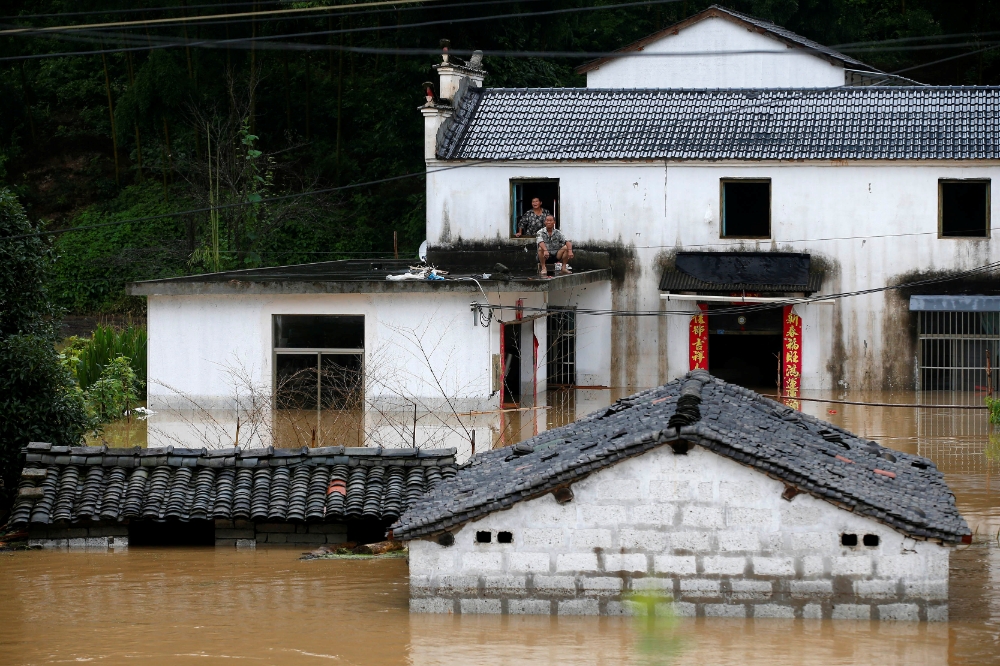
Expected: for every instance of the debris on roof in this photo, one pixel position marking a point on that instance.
(811, 456)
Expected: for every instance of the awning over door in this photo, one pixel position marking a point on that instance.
(729, 272)
(955, 303)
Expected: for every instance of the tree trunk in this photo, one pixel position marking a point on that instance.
(308, 85)
(111, 113)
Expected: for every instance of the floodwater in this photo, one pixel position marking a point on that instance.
(208, 606)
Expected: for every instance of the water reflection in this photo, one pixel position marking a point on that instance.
(214, 606)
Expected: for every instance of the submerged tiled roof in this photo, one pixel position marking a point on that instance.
(901, 490)
(672, 280)
(841, 123)
(63, 484)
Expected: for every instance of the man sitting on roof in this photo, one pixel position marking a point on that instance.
(552, 243)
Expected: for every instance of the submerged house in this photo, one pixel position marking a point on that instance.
(97, 498)
(722, 161)
(722, 501)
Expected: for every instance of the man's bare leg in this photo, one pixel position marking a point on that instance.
(542, 256)
(564, 254)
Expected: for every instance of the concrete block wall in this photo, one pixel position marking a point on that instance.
(248, 534)
(94, 537)
(712, 535)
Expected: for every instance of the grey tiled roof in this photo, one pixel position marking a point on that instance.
(672, 280)
(904, 491)
(63, 484)
(863, 123)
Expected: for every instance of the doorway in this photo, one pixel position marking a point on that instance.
(511, 351)
(745, 348)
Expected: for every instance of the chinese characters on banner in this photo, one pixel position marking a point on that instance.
(791, 365)
(699, 339)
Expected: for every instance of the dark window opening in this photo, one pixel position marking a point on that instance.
(953, 349)
(505, 537)
(318, 378)
(484, 537)
(561, 357)
(849, 540)
(511, 364)
(746, 209)
(745, 348)
(870, 540)
(319, 331)
(964, 207)
(523, 191)
(171, 533)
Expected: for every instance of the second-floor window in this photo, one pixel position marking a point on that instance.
(746, 208)
(523, 192)
(964, 208)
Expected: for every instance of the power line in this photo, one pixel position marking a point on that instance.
(108, 12)
(200, 18)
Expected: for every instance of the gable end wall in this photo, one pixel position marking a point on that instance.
(703, 530)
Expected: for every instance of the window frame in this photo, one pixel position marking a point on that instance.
(722, 208)
(940, 207)
(512, 214)
(317, 353)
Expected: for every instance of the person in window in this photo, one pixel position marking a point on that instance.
(553, 245)
(532, 220)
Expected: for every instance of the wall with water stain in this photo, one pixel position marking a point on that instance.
(867, 224)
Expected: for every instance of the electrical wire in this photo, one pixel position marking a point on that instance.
(139, 10)
(199, 18)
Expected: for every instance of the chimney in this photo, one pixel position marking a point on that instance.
(452, 72)
(455, 77)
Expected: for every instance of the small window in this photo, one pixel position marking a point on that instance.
(484, 537)
(870, 540)
(964, 208)
(524, 192)
(746, 209)
(505, 537)
(850, 540)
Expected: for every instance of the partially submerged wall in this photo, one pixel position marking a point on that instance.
(714, 536)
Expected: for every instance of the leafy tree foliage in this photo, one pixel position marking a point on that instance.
(38, 398)
(320, 119)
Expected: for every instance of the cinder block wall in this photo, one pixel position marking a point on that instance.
(86, 537)
(248, 534)
(713, 535)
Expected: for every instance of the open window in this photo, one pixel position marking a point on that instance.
(318, 372)
(523, 191)
(746, 208)
(964, 208)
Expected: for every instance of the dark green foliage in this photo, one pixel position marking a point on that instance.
(108, 344)
(56, 128)
(38, 398)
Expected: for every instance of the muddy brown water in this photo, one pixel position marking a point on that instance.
(208, 606)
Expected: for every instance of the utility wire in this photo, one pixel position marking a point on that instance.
(199, 18)
(108, 12)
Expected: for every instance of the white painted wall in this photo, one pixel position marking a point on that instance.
(872, 222)
(714, 535)
(786, 68)
(193, 338)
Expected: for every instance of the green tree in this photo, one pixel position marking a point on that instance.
(38, 399)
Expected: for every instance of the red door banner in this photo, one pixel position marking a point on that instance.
(699, 339)
(791, 365)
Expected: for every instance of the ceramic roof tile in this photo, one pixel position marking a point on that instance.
(857, 123)
(195, 484)
(804, 452)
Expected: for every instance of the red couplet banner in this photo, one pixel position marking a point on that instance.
(791, 365)
(699, 339)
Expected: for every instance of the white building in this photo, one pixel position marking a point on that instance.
(725, 133)
(723, 161)
(700, 494)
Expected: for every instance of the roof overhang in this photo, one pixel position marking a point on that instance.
(955, 303)
(728, 273)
